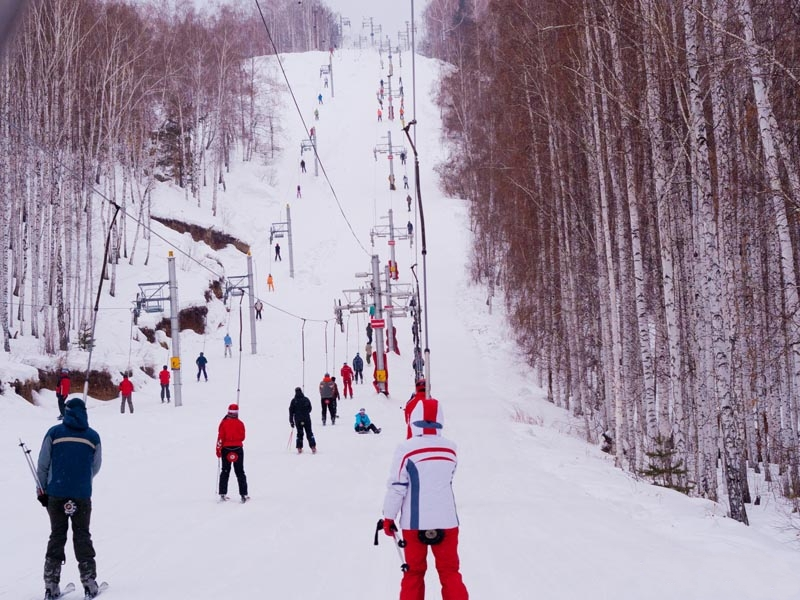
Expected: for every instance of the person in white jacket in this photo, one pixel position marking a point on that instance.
(420, 489)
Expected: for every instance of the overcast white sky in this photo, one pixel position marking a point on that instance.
(392, 15)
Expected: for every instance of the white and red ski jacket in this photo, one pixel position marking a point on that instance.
(421, 475)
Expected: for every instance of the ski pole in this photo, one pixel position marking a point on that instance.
(289, 443)
(219, 469)
(399, 543)
(26, 451)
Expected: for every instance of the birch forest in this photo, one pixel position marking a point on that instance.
(632, 172)
(99, 100)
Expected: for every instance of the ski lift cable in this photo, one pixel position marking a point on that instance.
(118, 209)
(306, 129)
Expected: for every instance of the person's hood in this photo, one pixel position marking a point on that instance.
(75, 416)
(427, 418)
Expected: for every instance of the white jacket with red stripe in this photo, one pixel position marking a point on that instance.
(421, 476)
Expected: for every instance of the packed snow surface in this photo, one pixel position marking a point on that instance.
(543, 514)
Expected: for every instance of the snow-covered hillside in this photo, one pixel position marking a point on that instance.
(543, 515)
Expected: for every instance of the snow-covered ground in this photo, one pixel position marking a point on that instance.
(543, 514)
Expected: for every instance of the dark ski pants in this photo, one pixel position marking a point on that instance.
(81, 539)
(359, 375)
(122, 404)
(305, 426)
(164, 391)
(371, 427)
(412, 586)
(62, 400)
(203, 371)
(328, 404)
(238, 468)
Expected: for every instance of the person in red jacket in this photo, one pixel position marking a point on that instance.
(230, 449)
(417, 397)
(163, 377)
(126, 391)
(347, 379)
(62, 391)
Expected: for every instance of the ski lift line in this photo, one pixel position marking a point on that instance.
(239, 372)
(77, 176)
(308, 133)
(291, 314)
(97, 299)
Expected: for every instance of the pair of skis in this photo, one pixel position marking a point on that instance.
(70, 587)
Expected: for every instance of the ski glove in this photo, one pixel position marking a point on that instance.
(43, 498)
(389, 528)
(219, 448)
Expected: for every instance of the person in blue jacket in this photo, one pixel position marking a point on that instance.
(69, 459)
(363, 424)
(358, 368)
(201, 366)
(228, 345)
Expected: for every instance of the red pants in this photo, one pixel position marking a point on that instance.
(348, 385)
(412, 587)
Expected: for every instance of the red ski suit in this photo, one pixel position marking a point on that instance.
(420, 489)
(347, 380)
(163, 377)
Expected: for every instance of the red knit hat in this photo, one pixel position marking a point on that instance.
(233, 409)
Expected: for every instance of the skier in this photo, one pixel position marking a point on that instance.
(316, 114)
(380, 115)
(228, 345)
(62, 391)
(201, 366)
(319, 98)
(392, 186)
(163, 378)
(418, 364)
(69, 459)
(405, 181)
(299, 195)
(334, 405)
(368, 352)
(347, 379)
(326, 82)
(408, 201)
(230, 449)
(278, 252)
(420, 489)
(358, 368)
(270, 283)
(302, 165)
(300, 417)
(402, 152)
(363, 424)
(417, 397)
(369, 333)
(259, 306)
(126, 391)
(327, 393)
(410, 228)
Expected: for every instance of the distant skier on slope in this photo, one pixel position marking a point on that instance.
(300, 417)
(358, 368)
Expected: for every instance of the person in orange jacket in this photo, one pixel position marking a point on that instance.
(230, 448)
(126, 391)
(270, 283)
